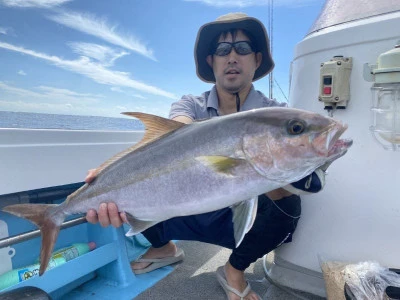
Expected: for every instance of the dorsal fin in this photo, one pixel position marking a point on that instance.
(155, 127)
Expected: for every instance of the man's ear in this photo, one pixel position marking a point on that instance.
(258, 59)
(209, 60)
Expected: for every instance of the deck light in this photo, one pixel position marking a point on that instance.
(386, 98)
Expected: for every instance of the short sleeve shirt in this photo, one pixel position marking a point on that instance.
(206, 106)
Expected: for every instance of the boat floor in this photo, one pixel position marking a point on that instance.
(194, 278)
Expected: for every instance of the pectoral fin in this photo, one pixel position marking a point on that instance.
(221, 164)
(243, 218)
(137, 226)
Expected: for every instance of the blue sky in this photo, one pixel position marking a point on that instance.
(101, 57)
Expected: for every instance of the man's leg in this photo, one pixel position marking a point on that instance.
(274, 224)
(271, 228)
(213, 227)
(160, 248)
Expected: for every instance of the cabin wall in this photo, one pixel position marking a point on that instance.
(357, 215)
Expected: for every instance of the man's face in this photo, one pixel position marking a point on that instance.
(234, 72)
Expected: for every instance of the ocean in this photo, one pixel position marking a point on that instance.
(66, 122)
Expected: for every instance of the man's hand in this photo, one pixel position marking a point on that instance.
(107, 213)
(91, 175)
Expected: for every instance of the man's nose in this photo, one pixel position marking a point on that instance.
(232, 56)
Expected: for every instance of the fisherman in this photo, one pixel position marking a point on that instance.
(231, 53)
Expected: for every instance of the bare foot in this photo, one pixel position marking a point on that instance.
(236, 279)
(167, 250)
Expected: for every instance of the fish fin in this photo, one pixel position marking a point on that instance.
(49, 224)
(137, 226)
(244, 214)
(155, 127)
(221, 164)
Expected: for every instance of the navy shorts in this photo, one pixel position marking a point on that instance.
(274, 224)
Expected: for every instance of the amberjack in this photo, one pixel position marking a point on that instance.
(185, 169)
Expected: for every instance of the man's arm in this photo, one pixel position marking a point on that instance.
(183, 119)
(278, 194)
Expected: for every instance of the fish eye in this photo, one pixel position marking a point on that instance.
(295, 127)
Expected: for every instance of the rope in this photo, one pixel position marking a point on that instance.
(271, 40)
(237, 102)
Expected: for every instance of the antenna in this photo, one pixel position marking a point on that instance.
(270, 32)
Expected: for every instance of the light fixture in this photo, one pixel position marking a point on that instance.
(385, 98)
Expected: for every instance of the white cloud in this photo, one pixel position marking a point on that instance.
(98, 27)
(7, 31)
(47, 99)
(76, 108)
(95, 71)
(105, 55)
(33, 3)
(119, 90)
(138, 96)
(121, 108)
(18, 91)
(56, 93)
(249, 3)
(21, 72)
(50, 94)
(52, 108)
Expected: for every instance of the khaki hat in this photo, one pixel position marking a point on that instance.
(211, 30)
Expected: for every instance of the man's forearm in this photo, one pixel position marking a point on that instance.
(278, 194)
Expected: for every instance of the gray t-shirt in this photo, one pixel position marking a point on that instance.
(206, 105)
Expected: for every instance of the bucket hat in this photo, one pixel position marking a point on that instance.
(209, 31)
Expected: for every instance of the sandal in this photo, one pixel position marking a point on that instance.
(156, 263)
(221, 277)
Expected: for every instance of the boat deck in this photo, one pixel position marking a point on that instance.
(194, 278)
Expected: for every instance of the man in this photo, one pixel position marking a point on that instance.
(231, 52)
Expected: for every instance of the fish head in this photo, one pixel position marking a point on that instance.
(286, 144)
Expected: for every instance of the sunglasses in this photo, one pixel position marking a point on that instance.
(241, 48)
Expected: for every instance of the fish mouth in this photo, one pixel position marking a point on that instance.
(328, 143)
(339, 148)
(334, 145)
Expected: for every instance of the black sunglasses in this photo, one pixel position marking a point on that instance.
(241, 48)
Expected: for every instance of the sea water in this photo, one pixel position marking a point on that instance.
(66, 122)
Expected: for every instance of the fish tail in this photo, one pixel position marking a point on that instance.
(48, 219)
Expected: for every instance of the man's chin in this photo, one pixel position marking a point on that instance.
(233, 88)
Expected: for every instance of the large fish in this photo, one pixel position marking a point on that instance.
(180, 169)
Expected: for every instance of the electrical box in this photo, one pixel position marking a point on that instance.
(334, 87)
